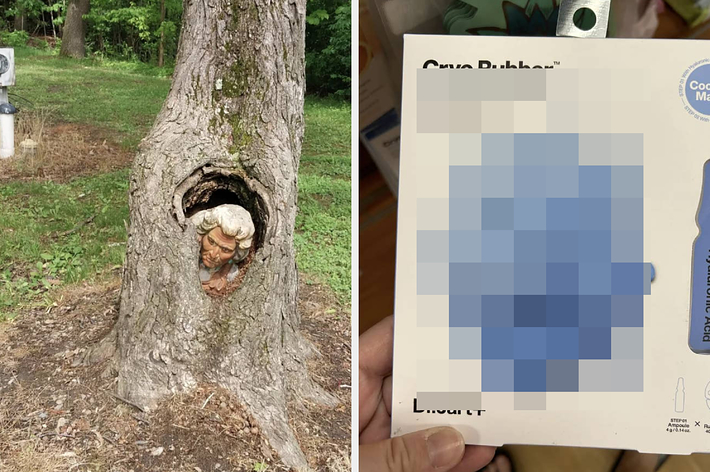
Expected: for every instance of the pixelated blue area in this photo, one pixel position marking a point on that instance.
(595, 214)
(464, 311)
(626, 181)
(499, 246)
(562, 181)
(562, 278)
(563, 246)
(530, 246)
(562, 149)
(464, 182)
(594, 246)
(626, 278)
(562, 311)
(595, 311)
(530, 343)
(595, 182)
(562, 343)
(497, 149)
(545, 255)
(530, 182)
(497, 278)
(562, 213)
(595, 343)
(497, 213)
(465, 343)
(465, 214)
(627, 246)
(497, 181)
(627, 311)
(497, 375)
(627, 214)
(497, 343)
(464, 246)
(530, 375)
(530, 149)
(562, 375)
(464, 279)
(595, 278)
(530, 310)
(497, 311)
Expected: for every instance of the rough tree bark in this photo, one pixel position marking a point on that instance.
(74, 31)
(230, 131)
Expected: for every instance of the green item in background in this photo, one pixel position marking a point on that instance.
(692, 11)
(502, 18)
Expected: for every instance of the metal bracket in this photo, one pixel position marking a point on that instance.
(568, 8)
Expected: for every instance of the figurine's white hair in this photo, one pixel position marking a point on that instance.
(234, 221)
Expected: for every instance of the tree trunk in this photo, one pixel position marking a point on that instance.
(20, 21)
(161, 45)
(230, 131)
(74, 32)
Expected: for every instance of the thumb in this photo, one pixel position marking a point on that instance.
(431, 450)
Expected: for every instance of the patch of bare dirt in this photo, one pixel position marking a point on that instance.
(57, 415)
(325, 434)
(64, 150)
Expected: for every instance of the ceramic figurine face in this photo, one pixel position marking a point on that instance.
(217, 248)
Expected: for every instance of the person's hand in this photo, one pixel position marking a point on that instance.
(432, 450)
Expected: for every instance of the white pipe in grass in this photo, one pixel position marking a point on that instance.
(7, 127)
(7, 136)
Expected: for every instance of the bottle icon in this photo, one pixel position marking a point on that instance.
(680, 395)
(699, 338)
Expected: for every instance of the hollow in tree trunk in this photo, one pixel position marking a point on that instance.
(74, 31)
(230, 131)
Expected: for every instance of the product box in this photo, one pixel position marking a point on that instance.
(552, 278)
(378, 105)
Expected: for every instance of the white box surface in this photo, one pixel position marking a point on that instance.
(536, 206)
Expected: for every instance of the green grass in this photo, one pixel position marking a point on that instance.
(43, 238)
(120, 97)
(43, 245)
(323, 222)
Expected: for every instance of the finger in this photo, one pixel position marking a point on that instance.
(431, 450)
(376, 349)
(379, 426)
(374, 365)
(475, 458)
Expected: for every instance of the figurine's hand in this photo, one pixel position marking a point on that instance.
(218, 284)
(436, 449)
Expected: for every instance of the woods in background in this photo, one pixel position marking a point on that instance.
(148, 31)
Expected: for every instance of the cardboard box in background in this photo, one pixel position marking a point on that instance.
(378, 104)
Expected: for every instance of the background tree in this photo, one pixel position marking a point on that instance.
(20, 19)
(135, 30)
(74, 37)
(32, 15)
(328, 43)
(161, 44)
(230, 131)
